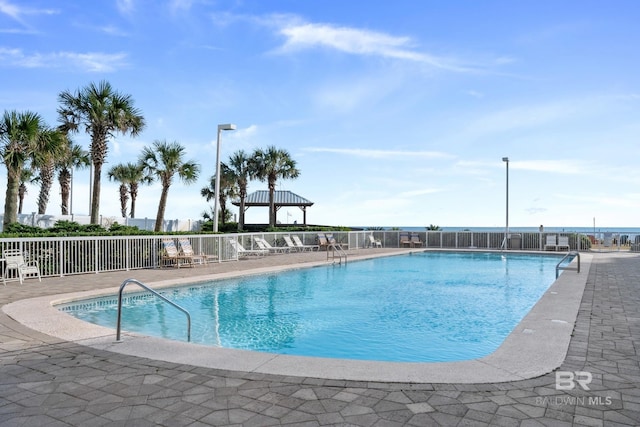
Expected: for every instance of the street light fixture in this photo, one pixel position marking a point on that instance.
(506, 229)
(228, 126)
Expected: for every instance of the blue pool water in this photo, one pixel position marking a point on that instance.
(421, 307)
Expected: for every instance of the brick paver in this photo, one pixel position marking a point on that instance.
(45, 382)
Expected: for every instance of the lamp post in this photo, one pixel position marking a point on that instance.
(228, 126)
(506, 229)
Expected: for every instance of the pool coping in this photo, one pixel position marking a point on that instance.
(537, 346)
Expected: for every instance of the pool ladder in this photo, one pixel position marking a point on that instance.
(558, 267)
(162, 297)
(336, 249)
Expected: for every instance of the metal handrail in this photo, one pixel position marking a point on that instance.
(558, 267)
(335, 248)
(162, 297)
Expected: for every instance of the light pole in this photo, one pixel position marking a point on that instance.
(228, 126)
(506, 229)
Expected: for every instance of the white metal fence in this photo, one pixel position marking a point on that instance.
(60, 256)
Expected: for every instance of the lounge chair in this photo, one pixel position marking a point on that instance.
(171, 255)
(292, 246)
(415, 240)
(263, 244)
(187, 250)
(302, 246)
(405, 241)
(563, 242)
(373, 242)
(333, 242)
(241, 251)
(551, 242)
(14, 260)
(323, 242)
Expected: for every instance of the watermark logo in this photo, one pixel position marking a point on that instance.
(567, 380)
(570, 380)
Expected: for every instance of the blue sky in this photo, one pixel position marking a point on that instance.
(397, 113)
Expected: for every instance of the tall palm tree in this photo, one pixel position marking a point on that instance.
(26, 176)
(23, 135)
(269, 165)
(102, 112)
(76, 158)
(117, 173)
(130, 175)
(239, 166)
(45, 163)
(228, 189)
(164, 160)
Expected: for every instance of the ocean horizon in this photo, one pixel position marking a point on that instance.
(585, 230)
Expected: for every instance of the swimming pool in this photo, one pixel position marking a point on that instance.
(421, 307)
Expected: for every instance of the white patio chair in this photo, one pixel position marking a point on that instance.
(302, 246)
(373, 242)
(241, 251)
(14, 260)
(563, 242)
(551, 242)
(292, 246)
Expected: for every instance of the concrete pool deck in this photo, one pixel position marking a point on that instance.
(537, 345)
(44, 379)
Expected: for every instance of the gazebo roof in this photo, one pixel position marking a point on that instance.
(280, 198)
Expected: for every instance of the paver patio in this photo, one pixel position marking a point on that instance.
(44, 381)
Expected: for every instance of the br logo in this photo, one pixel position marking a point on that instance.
(566, 380)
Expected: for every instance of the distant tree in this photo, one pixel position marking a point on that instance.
(117, 173)
(102, 112)
(76, 158)
(269, 165)
(163, 160)
(130, 175)
(46, 162)
(26, 176)
(432, 227)
(239, 166)
(228, 189)
(23, 136)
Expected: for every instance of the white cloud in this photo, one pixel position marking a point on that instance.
(90, 61)
(176, 5)
(475, 94)
(18, 12)
(113, 31)
(522, 117)
(125, 6)
(571, 167)
(301, 36)
(379, 154)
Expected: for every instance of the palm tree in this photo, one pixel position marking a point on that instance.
(46, 163)
(26, 176)
(130, 176)
(239, 165)
(164, 160)
(269, 165)
(117, 173)
(228, 189)
(76, 158)
(22, 137)
(103, 113)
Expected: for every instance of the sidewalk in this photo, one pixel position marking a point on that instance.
(47, 382)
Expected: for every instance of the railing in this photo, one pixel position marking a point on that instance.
(162, 297)
(572, 254)
(63, 256)
(336, 248)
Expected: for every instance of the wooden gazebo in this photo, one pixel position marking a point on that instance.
(280, 199)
